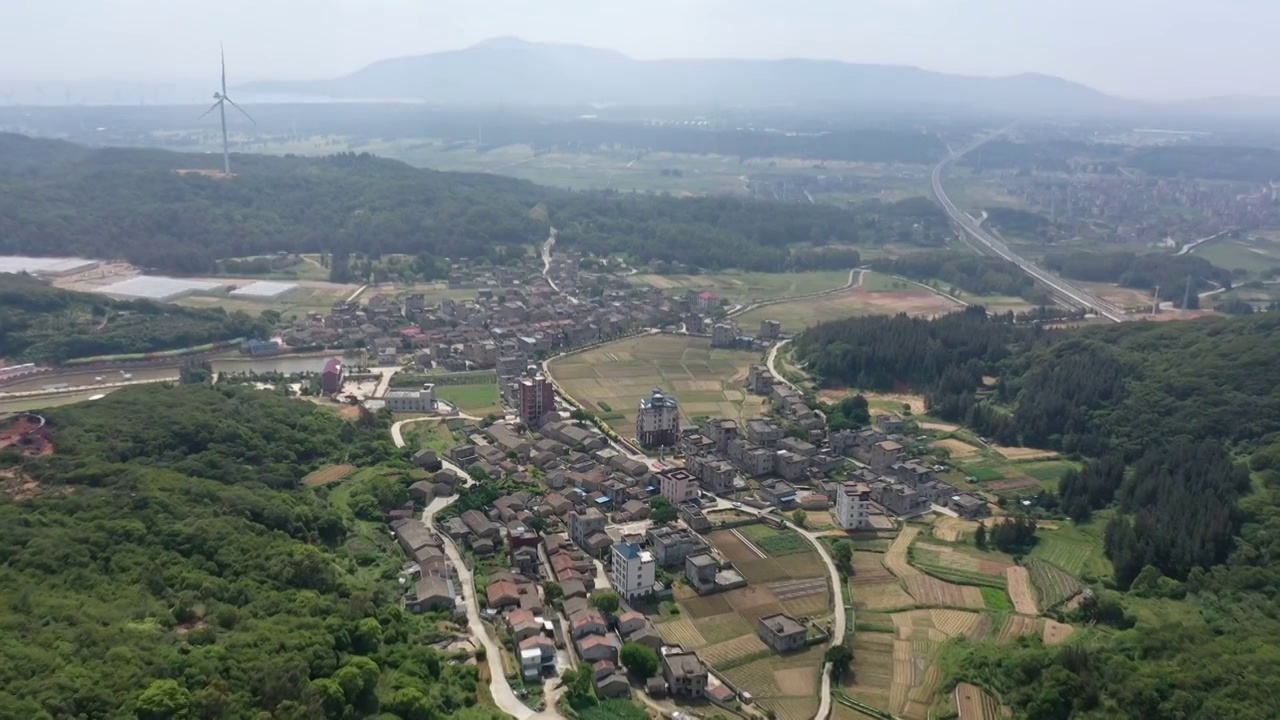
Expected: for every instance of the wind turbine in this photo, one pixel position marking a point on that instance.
(220, 101)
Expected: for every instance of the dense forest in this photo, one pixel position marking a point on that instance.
(974, 274)
(1243, 164)
(171, 565)
(40, 323)
(1164, 413)
(1145, 271)
(60, 199)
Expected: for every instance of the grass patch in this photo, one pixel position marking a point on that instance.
(996, 599)
(1046, 471)
(775, 542)
(473, 399)
(1077, 549)
(431, 436)
(614, 710)
(874, 627)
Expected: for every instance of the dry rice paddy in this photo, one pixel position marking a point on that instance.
(854, 302)
(957, 448)
(326, 475)
(1020, 590)
(681, 631)
(1021, 453)
(705, 381)
(1056, 633)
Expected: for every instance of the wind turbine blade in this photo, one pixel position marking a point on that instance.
(242, 112)
(211, 108)
(223, 53)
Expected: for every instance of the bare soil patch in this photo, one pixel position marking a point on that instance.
(1020, 590)
(939, 426)
(928, 590)
(703, 607)
(326, 475)
(957, 448)
(1056, 633)
(796, 681)
(1020, 453)
(881, 596)
(1015, 626)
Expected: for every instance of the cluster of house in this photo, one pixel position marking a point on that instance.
(516, 315)
(899, 483)
(431, 583)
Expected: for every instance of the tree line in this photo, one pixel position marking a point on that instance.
(146, 206)
(975, 274)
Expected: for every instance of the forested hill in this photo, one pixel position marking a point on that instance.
(171, 565)
(1169, 418)
(61, 199)
(40, 323)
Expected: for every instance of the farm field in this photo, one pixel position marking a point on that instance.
(776, 542)
(722, 626)
(926, 589)
(1020, 590)
(706, 381)
(746, 287)
(1051, 584)
(1074, 548)
(854, 302)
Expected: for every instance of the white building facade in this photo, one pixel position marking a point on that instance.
(853, 504)
(421, 401)
(633, 573)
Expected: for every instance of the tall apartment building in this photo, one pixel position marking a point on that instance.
(658, 422)
(853, 501)
(677, 485)
(537, 398)
(633, 571)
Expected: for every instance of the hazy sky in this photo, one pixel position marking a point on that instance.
(1135, 48)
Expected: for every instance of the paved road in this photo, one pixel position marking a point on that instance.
(547, 247)
(1060, 287)
(503, 696)
(1191, 246)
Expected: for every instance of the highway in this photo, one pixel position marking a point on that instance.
(1064, 290)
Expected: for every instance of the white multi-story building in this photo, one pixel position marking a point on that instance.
(422, 401)
(658, 422)
(853, 502)
(678, 485)
(633, 571)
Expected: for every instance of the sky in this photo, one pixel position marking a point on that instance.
(1149, 49)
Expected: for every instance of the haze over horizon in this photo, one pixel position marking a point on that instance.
(1175, 51)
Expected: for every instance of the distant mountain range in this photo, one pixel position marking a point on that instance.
(515, 72)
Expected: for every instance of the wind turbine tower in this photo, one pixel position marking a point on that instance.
(220, 101)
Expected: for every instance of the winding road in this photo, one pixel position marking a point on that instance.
(503, 696)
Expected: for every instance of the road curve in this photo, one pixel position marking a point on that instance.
(499, 688)
(1063, 289)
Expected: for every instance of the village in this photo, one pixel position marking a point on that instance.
(567, 541)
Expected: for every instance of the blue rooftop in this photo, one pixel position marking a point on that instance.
(630, 551)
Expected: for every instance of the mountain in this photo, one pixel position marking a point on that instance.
(516, 72)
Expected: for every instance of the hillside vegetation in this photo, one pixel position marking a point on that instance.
(40, 323)
(172, 566)
(61, 199)
(1171, 418)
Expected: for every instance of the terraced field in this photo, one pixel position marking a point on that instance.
(1051, 584)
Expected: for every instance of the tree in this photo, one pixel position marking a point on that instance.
(639, 660)
(661, 510)
(841, 658)
(980, 536)
(163, 700)
(606, 602)
(799, 517)
(553, 591)
(842, 554)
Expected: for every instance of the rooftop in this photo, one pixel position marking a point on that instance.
(783, 624)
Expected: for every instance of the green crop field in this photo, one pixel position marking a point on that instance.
(1253, 256)
(1075, 549)
(706, 381)
(479, 399)
(776, 542)
(996, 599)
(1051, 584)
